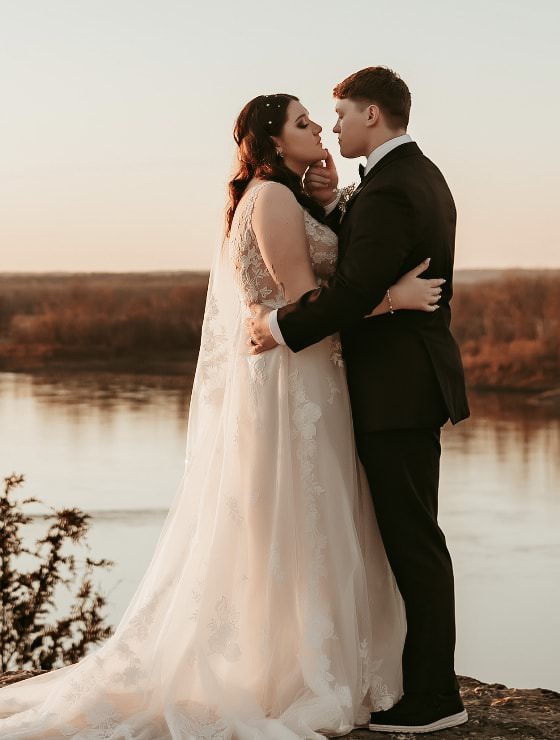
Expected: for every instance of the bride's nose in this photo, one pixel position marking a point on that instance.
(318, 128)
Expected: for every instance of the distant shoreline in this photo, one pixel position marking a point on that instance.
(490, 273)
(181, 371)
(183, 365)
(506, 322)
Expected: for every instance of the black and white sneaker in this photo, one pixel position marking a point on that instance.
(438, 713)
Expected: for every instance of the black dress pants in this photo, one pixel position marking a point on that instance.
(402, 468)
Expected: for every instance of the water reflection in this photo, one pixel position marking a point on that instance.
(83, 391)
(508, 440)
(113, 444)
(99, 441)
(499, 507)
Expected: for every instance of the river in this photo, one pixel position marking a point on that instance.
(114, 445)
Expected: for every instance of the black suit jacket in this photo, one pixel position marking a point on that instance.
(404, 370)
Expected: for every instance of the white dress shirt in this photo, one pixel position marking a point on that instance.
(373, 158)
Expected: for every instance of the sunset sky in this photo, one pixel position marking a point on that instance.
(115, 133)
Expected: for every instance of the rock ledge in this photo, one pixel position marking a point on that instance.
(496, 712)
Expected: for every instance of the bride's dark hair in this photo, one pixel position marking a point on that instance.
(262, 118)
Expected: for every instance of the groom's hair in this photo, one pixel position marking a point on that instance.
(382, 87)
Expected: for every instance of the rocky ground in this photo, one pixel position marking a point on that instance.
(496, 712)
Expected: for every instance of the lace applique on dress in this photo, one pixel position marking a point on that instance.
(336, 353)
(224, 631)
(200, 721)
(379, 694)
(334, 390)
(233, 508)
(322, 246)
(319, 627)
(213, 353)
(255, 283)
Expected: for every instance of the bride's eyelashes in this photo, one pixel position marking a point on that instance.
(303, 125)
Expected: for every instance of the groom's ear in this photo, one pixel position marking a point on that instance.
(373, 114)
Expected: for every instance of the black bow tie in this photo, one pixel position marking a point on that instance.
(361, 170)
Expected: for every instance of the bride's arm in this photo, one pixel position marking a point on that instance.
(412, 293)
(279, 227)
(278, 223)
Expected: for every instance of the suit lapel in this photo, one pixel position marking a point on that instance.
(404, 150)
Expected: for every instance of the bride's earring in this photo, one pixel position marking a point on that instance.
(280, 153)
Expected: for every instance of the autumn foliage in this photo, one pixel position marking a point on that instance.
(508, 327)
(100, 317)
(509, 332)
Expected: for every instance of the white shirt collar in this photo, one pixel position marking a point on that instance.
(379, 152)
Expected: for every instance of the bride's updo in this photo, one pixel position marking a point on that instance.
(262, 118)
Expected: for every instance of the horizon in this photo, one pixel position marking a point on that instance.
(206, 271)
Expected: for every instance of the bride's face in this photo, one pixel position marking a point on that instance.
(300, 140)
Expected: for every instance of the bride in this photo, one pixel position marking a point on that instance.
(268, 609)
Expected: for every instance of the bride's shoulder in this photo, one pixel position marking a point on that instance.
(274, 196)
(272, 193)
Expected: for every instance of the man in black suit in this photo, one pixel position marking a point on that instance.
(405, 375)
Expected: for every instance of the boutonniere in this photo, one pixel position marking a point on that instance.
(345, 195)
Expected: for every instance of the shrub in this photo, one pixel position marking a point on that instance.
(30, 636)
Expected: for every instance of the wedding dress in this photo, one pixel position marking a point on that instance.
(268, 609)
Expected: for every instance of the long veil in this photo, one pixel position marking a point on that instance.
(83, 698)
(233, 621)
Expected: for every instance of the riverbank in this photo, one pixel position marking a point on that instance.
(496, 712)
(508, 326)
(178, 372)
(173, 365)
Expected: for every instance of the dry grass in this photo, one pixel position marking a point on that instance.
(509, 332)
(99, 317)
(508, 327)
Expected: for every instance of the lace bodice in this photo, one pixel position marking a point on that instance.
(254, 281)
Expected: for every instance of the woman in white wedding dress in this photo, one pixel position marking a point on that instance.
(268, 609)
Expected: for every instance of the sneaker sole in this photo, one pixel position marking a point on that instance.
(441, 724)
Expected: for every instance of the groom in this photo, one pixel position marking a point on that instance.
(405, 374)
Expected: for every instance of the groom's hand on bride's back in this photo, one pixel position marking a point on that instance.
(258, 330)
(321, 180)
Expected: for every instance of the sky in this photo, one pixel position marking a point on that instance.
(117, 116)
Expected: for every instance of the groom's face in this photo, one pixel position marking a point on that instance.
(352, 128)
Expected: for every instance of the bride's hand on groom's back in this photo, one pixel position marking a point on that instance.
(321, 180)
(413, 293)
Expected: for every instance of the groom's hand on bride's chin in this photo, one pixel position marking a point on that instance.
(321, 180)
(260, 339)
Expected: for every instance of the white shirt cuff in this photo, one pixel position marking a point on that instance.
(332, 205)
(274, 328)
